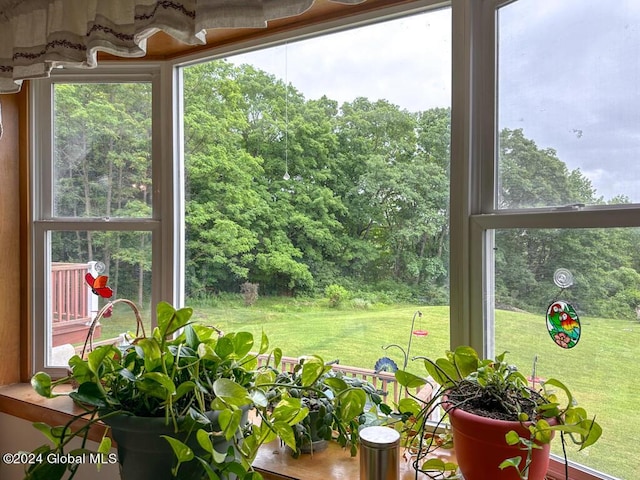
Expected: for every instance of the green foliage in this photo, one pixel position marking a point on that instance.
(336, 294)
(494, 388)
(178, 379)
(366, 205)
(103, 169)
(346, 163)
(337, 404)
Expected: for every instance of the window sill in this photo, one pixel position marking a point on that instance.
(20, 400)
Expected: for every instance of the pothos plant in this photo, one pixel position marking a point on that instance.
(180, 373)
(338, 405)
(494, 389)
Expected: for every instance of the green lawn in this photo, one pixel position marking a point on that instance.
(598, 370)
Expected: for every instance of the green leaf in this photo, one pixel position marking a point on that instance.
(191, 337)
(96, 358)
(511, 462)
(312, 369)
(290, 411)
(259, 399)
(48, 432)
(264, 344)
(409, 405)
(265, 378)
(352, 404)
(409, 380)
(104, 448)
(211, 474)
(336, 384)
(127, 374)
(184, 388)
(466, 360)
(207, 353)
(285, 432)
(204, 440)
(242, 344)
(170, 319)
(595, 431)
(105, 445)
(512, 438)
(543, 432)
(443, 372)
(41, 383)
(163, 379)
(150, 353)
(552, 382)
(89, 393)
(182, 451)
(152, 388)
(198, 417)
(231, 392)
(438, 465)
(80, 369)
(277, 357)
(229, 421)
(45, 470)
(224, 347)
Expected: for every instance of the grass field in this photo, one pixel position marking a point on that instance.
(599, 370)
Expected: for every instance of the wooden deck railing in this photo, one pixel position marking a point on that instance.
(73, 304)
(383, 381)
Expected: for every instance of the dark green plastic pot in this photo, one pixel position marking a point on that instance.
(144, 455)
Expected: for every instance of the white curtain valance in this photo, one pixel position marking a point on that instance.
(38, 35)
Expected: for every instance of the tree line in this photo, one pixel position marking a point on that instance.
(364, 203)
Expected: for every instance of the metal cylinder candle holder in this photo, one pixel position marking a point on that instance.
(379, 454)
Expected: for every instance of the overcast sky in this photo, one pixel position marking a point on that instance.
(569, 77)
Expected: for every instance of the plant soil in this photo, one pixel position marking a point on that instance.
(499, 404)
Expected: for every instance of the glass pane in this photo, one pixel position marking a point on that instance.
(102, 145)
(569, 103)
(600, 368)
(125, 259)
(318, 174)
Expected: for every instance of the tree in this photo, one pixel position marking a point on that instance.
(102, 167)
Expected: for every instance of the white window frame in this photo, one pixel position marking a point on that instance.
(166, 198)
(474, 214)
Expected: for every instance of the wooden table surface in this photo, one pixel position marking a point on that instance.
(274, 462)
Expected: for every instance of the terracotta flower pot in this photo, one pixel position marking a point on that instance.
(480, 447)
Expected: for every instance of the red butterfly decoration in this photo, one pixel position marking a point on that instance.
(99, 285)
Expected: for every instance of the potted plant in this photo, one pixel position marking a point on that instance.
(501, 426)
(187, 384)
(338, 405)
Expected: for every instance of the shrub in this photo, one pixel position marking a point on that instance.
(360, 303)
(336, 294)
(249, 293)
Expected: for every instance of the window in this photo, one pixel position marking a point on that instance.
(554, 195)
(569, 103)
(539, 173)
(95, 208)
(324, 185)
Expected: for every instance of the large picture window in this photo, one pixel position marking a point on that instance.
(324, 187)
(451, 161)
(564, 196)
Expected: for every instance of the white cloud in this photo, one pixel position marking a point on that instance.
(405, 61)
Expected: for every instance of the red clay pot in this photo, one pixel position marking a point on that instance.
(480, 447)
